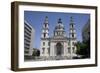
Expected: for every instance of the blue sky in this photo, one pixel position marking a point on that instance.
(36, 19)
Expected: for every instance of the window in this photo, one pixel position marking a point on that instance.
(44, 35)
(55, 33)
(43, 50)
(45, 25)
(49, 51)
(59, 33)
(26, 36)
(73, 30)
(28, 26)
(43, 43)
(73, 43)
(26, 44)
(26, 52)
(72, 25)
(27, 33)
(27, 29)
(72, 35)
(48, 43)
(73, 49)
(26, 48)
(69, 43)
(26, 40)
(68, 50)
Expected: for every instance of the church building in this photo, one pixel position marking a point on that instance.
(60, 45)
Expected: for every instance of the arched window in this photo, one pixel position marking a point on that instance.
(43, 50)
(44, 35)
(72, 35)
(73, 49)
(45, 25)
(49, 51)
(59, 49)
(72, 26)
(43, 43)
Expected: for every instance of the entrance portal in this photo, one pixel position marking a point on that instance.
(59, 48)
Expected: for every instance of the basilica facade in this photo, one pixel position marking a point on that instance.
(60, 44)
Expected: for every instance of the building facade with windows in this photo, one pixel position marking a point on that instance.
(28, 39)
(60, 44)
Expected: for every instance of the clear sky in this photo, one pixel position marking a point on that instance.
(36, 19)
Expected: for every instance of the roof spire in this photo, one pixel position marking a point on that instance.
(59, 20)
(46, 19)
(71, 19)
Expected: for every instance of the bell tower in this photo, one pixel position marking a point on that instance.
(72, 33)
(45, 29)
(45, 44)
(72, 37)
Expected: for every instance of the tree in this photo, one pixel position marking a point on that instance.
(36, 53)
(83, 48)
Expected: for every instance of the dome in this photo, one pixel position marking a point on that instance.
(59, 25)
(59, 29)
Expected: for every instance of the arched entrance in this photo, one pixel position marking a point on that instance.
(59, 49)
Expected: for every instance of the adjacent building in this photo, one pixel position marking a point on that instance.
(60, 44)
(28, 39)
(86, 31)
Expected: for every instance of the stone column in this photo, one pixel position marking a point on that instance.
(65, 49)
(52, 49)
